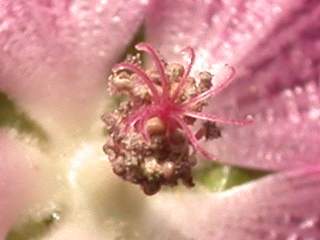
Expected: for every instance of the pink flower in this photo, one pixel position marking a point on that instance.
(55, 58)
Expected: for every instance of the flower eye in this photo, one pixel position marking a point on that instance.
(150, 142)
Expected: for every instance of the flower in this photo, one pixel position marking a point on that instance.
(55, 56)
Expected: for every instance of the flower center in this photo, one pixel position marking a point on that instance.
(150, 142)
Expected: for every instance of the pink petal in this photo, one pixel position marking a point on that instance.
(280, 88)
(283, 206)
(284, 134)
(275, 47)
(56, 55)
(219, 30)
(17, 174)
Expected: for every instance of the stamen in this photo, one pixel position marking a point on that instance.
(213, 91)
(159, 64)
(141, 74)
(186, 73)
(155, 125)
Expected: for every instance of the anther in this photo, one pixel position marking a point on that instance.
(155, 126)
(174, 71)
(122, 81)
(205, 81)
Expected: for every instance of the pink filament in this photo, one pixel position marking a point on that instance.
(134, 118)
(159, 64)
(212, 118)
(193, 140)
(213, 91)
(186, 73)
(143, 130)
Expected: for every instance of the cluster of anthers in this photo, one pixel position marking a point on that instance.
(149, 139)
